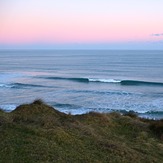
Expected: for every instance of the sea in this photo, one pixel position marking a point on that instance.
(81, 81)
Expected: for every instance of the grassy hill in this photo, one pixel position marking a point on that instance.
(38, 133)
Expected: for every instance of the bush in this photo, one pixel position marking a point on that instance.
(131, 114)
(157, 127)
(38, 102)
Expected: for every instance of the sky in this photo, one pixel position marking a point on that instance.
(81, 24)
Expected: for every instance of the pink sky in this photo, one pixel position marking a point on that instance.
(45, 21)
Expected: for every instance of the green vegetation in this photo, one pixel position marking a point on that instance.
(38, 133)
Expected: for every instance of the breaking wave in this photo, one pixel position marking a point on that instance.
(114, 81)
(19, 85)
(8, 107)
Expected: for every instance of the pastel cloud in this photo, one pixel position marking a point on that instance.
(157, 34)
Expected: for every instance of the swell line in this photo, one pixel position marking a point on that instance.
(85, 80)
(111, 81)
(19, 85)
(137, 83)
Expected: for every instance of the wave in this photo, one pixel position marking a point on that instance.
(143, 114)
(137, 83)
(76, 109)
(84, 80)
(105, 80)
(8, 107)
(140, 112)
(111, 81)
(124, 93)
(63, 105)
(155, 112)
(19, 85)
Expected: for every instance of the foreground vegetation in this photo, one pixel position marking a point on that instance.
(38, 133)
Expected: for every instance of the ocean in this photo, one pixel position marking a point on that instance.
(80, 81)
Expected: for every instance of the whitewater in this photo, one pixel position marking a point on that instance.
(80, 81)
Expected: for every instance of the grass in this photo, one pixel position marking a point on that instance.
(37, 132)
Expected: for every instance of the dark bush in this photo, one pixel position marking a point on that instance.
(157, 127)
(131, 114)
(38, 102)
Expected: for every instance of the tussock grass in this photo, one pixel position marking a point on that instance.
(37, 132)
(156, 126)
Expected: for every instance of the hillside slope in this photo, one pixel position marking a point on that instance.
(38, 133)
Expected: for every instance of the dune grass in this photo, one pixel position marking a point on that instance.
(37, 132)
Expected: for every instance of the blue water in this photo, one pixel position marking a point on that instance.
(81, 81)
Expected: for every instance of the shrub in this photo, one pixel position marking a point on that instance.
(131, 114)
(157, 127)
(38, 102)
